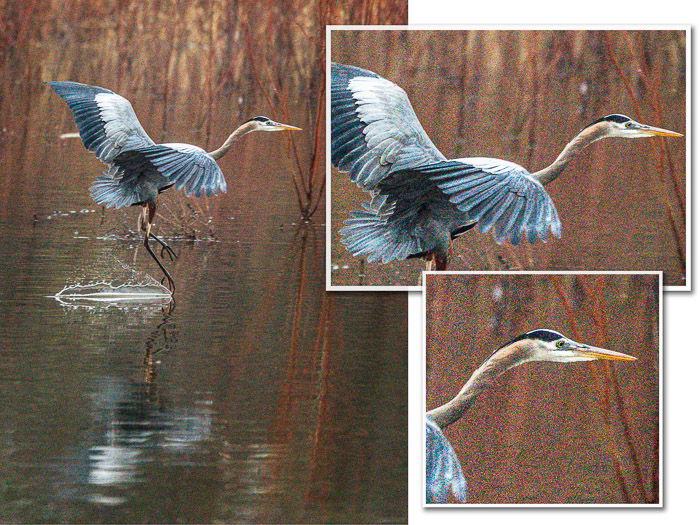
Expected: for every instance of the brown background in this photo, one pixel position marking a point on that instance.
(521, 96)
(582, 432)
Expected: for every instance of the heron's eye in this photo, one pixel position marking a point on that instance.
(628, 125)
(560, 344)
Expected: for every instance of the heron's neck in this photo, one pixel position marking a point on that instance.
(586, 137)
(244, 128)
(483, 377)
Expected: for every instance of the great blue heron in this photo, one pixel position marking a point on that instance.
(138, 168)
(443, 472)
(420, 200)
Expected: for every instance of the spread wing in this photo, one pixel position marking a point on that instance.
(443, 472)
(109, 127)
(106, 121)
(187, 167)
(498, 195)
(374, 130)
(136, 176)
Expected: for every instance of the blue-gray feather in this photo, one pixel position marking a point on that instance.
(500, 195)
(138, 169)
(106, 121)
(443, 472)
(368, 140)
(376, 137)
(407, 217)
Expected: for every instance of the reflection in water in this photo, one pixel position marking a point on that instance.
(131, 419)
(258, 392)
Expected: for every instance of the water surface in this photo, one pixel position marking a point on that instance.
(256, 399)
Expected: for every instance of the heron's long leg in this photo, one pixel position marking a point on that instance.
(165, 248)
(440, 262)
(143, 219)
(436, 262)
(149, 221)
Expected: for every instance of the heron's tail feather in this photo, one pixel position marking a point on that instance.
(369, 233)
(114, 192)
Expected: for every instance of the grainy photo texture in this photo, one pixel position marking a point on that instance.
(507, 150)
(542, 389)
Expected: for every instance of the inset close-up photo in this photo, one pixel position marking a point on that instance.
(506, 150)
(542, 388)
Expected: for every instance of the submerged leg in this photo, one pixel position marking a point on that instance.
(149, 221)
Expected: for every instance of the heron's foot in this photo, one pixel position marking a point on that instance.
(164, 247)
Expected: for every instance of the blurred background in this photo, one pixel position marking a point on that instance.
(256, 399)
(583, 432)
(521, 96)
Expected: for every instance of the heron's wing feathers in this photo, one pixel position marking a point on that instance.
(443, 472)
(374, 232)
(408, 216)
(499, 195)
(187, 167)
(106, 121)
(374, 129)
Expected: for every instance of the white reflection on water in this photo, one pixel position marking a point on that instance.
(133, 418)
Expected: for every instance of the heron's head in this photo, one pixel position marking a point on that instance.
(548, 345)
(266, 124)
(622, 126)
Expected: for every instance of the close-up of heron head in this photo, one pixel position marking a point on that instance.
(549, 345)
(444, 475)
(535, 345)
(262, 123)
(622, 126)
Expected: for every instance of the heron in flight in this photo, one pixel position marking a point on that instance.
(420, 200)
(443, 473)
(138, 169)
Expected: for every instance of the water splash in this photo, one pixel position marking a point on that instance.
(106, 292)
(126, 286)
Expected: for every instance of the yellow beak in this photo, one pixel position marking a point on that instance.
(602, 353)
(286, 127)
(660, 132)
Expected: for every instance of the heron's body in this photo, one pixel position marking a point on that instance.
(420, 200)
(138, 169)
(444, 477)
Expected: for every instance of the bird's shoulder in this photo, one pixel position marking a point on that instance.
(183, 148)
(368, 89)
(495, 166)
(188, 166)
(192, 151)
(518, 178)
